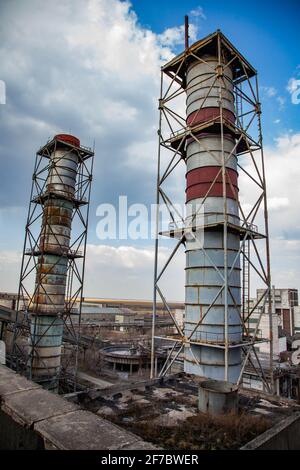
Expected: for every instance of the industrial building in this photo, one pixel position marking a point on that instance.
(285, 300)
(213, 371)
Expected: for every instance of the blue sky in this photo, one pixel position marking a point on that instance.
(266, 32)
(92, 68)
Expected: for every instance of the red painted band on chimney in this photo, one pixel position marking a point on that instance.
(199, 180)
(207, 114)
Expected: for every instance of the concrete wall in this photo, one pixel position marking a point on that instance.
(33, 418)
(14, 436)
(283, 436)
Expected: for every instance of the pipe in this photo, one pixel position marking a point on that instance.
(186, 32)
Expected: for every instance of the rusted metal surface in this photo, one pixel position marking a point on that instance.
(51, 277)
(55, 235)
(217, 397)
(186, 32)
(60, 193)
(125, 355)
(46, 334)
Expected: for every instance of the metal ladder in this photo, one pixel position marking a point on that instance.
(239, 105)
(246, 282)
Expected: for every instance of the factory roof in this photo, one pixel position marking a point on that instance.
(97, 309)
(120, 302)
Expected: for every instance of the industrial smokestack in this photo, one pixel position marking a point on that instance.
(212, 179)
(222, 105)
(52, 264)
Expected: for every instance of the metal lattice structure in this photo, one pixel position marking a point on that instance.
(48, 236)
(229, 74)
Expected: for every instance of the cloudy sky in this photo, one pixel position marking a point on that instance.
(91, 67)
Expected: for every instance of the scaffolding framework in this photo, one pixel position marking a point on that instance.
(21, 356)
(253, 229)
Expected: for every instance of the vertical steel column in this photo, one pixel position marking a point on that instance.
(152, 367)
(267, 245)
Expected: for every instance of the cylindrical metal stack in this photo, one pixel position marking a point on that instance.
(205, 158)
(52, 265)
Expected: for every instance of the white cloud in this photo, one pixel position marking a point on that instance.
(282, 162)
(198, 12)
(122, 271)
(285, 263)
(281, 101)
(288, 143)
(270, 91)
(10, 263)
(283, 189)
(92, 70)
(283, 174)
(175, 36)
(127, 271)
(275, 203)
(9, 257)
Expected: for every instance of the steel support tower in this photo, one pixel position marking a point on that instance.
(210, 122)
(53, 263)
